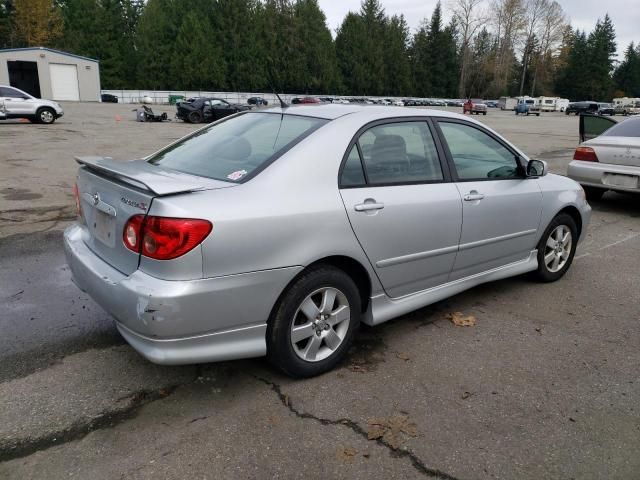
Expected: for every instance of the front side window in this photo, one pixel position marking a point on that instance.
(477, 155)
(233, 149)
(400, 153)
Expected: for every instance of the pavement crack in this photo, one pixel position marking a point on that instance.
(398, 453)
(82, 428)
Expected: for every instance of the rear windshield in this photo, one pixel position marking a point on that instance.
(233, 149)
(626, 128)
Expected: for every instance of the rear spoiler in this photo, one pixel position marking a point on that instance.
(144, 175)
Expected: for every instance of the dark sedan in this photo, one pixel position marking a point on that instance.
(207, 109)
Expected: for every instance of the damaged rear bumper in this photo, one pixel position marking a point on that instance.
(180, 322)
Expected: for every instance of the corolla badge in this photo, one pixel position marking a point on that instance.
(132, 203)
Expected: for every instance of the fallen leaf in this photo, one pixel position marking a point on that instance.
(461, 320)
(357, 368)
(346, 453)
(403, 356)
(466, 395)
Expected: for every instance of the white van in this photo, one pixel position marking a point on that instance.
(561, 104)
(507, 103)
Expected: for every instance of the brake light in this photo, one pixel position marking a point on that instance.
(585, 154)
(164, 238)
(76, 197)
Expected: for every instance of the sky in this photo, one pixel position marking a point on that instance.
(583, 14)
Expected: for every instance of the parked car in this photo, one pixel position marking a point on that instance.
(631, 108)
(606, 109)
(608, 157)
(206, 109)
(257, 101)
(474, 106)
(18, 104)
(527, 106)
(491, 103)
(277, 232)
(581, 107)
(108, 98)
(308, 100)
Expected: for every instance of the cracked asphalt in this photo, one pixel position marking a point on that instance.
(545, 385)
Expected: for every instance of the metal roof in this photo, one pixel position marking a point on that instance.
(49, 50)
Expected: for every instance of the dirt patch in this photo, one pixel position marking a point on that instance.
(17, 194)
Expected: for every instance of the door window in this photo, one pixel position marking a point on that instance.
(352, 173)
(476, 155)
(400, 153)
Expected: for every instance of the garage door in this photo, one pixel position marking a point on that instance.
(64, 81)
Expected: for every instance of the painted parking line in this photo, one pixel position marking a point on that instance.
(631, 236)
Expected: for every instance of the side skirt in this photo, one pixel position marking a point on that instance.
(384, 308)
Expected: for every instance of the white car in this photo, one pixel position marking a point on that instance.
(608, 157)
(15, 103)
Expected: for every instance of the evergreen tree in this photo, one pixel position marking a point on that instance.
(396, 58)
(6, 10)
(627, 75)
(420, 57)
(601, 55)
(352, 61)
(317, 71)
(37, 23)
(197, 62)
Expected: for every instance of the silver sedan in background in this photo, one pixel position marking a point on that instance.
(278, 232)
(608, 157)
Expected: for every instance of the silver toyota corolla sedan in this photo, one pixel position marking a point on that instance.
(277, 232)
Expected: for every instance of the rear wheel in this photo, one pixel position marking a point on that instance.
(557, 248)
(194, 117)
(593, 193)
(46, 115)
(314, 323)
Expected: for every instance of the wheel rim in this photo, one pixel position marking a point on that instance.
(320, 324)
(558, 248)
(46, 116)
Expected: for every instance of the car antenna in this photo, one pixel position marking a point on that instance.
(283, 104)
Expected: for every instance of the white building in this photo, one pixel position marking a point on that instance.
(51, 74)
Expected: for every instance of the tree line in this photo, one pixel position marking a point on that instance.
(489, 48)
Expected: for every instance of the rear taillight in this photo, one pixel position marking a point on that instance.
(76, 197)
(164, 238)
(585, 154)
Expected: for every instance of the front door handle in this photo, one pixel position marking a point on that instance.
(368, 205)
(472, 196)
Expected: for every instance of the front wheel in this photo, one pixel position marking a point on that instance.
(313, 324)
(46, 116)
(557, 248)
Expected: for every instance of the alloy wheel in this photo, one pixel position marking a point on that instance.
(558, 248)
(46, 116)
(320, 324)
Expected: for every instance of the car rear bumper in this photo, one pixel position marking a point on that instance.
(180, 322)
(595, 174)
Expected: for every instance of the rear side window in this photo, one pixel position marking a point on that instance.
(232, 150)
(400, 153)
(10, 93)
(626, 128)
(352, 173)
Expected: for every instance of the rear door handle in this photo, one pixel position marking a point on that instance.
(368, 205)
(472, 196)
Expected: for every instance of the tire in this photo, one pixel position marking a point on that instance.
(484, 113)
(537, 114)
(593, 193)
(313, 354)
(555, 252)
(46, 115)
(194, 117)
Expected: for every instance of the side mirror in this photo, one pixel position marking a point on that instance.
(536, 168)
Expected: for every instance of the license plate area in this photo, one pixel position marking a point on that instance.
(620, 180)
(104, 228)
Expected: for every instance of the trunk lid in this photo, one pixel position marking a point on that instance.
(616, 150)
(111, 192)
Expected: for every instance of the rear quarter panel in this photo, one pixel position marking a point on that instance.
(291, 214)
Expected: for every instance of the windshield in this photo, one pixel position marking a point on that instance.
(231, 150)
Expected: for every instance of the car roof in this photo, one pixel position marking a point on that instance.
(331, 111)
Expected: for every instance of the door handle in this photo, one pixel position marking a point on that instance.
(472, 196)
(368, 205)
